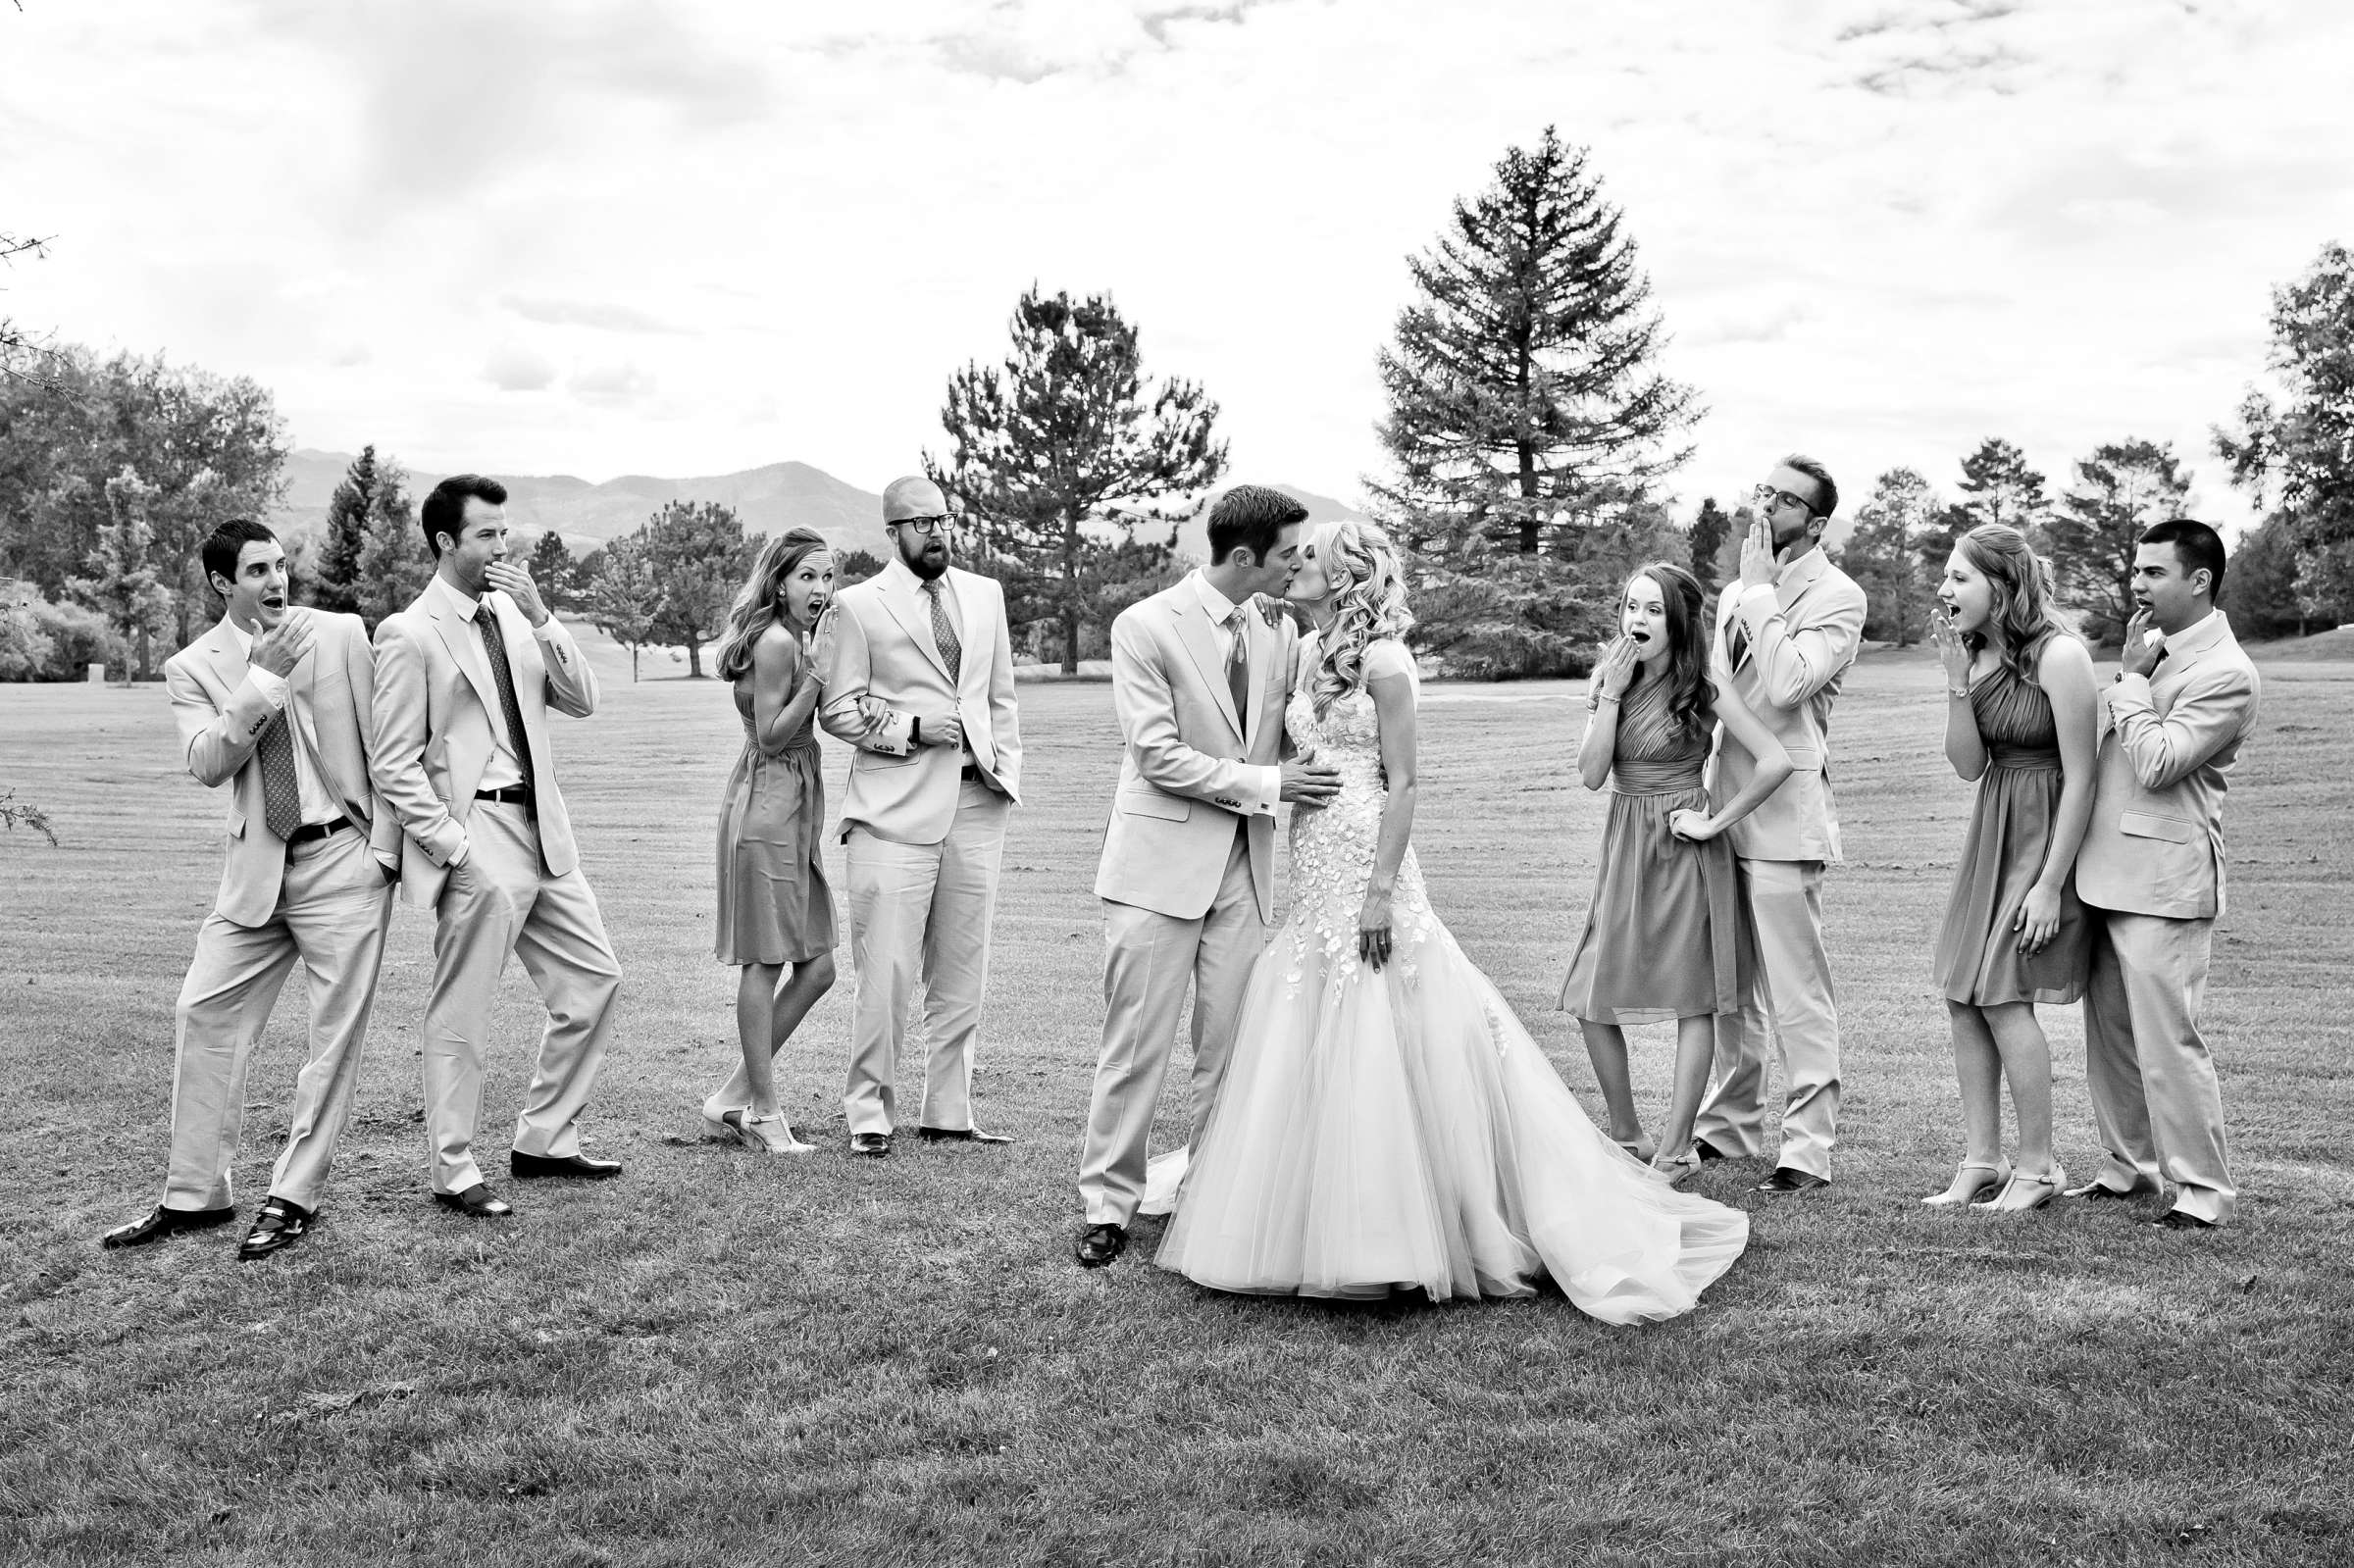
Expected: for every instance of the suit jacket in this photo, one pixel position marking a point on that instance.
(436, 703)
(222, 714)
(1803, 630)
(876, 640)
(2155, 844)
(1192, 767)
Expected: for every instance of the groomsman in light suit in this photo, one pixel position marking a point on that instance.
(273, 702)
(2152, 870)
(918, 672)
(1198, 681)
(464, 679)
(1786, 633)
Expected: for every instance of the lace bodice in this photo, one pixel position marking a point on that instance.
(1333, 848)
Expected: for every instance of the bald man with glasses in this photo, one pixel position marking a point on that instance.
(1786, 633)
(918, 672)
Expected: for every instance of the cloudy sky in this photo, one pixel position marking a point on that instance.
(688, 238)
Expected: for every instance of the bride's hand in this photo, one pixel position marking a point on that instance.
(1373, 928)
(1692, 827)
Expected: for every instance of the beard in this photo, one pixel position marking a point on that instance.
(929, 560)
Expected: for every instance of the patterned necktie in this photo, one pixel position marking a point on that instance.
(952, 651)
(1739, 642)
(1238, 667)
(495, 644)
(281, 790)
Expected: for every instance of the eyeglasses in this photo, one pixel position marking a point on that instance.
(926, 525)
(1773, 500)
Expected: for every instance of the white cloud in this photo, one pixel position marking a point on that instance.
(1877, 231)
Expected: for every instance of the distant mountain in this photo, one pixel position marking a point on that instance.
(779, 495)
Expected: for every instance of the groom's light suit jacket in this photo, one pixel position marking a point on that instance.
(1193, 766)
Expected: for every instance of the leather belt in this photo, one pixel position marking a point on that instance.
(971, 773)
(316, 829)
(511, 796)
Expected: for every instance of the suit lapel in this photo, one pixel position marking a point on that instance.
(914, 612)
(1202, 643)
(974, 632)
(470, 657)
(1258, 636)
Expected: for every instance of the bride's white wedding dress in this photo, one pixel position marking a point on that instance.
(1399, 1128)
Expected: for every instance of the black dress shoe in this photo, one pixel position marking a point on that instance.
(1708, 1151)
(874, 1146)
(527, 1167)
(160, 1222)
(1786, 1180)
(959, 1134)
(2100, 1192)
(477, 1202)
(1100, 1244)
(2177, 1220)
(279, 1224)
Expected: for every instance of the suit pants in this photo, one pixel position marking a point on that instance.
(504, 900)
(922, 910)
(1148, 959)
(2154, 1092)
(333, 906)
(1790, 1002)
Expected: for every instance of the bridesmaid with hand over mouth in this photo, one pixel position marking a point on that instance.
(2018, 719)
(776, 912)
(1664, 938)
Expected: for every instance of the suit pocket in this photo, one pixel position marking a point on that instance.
(1152, 803)
(2150, 825)
(862, 761)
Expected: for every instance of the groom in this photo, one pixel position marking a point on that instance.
(1198, 681)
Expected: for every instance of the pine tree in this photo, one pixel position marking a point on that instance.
(1058, 456)
(1884, 554)
(552, 568)
(396, 562)
(1998, 486)
(623, 597)
(125, 584)
(1709, 530)
(1524, 400)
(2120, 490)
(335, 576)
(699, 556)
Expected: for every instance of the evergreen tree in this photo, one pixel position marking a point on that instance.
(2296, 454)
(2261, 587)
(1998, 486)
(1061, 453)
(1709, 530)
(1884, 554)
(2120, 490)
(855, 566)
(1524, 400)
(336, 574)
(396, 562)
(125, 582)
(552, 568)
(623, 597)
(699, 557)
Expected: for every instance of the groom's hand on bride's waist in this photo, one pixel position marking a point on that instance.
(1309, 783)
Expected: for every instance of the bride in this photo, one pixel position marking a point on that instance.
(1386, 1123)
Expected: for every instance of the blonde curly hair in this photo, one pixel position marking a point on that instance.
(1368, 588)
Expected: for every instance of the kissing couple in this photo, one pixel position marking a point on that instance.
(1368, 1114)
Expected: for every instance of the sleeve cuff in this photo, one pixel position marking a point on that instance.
(272, 687)
(1270, 791)
(545, 629)
(1758, 604)
(2132, 692)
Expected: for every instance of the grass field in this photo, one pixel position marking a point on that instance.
(724, 1360)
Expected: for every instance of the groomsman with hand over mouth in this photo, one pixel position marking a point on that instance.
(273, 702)
(464, 679)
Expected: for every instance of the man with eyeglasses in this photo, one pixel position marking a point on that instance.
(1786, 633)
(918, 673)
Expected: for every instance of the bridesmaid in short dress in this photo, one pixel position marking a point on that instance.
(1663, 937)
(2019, 720)
(776, 912)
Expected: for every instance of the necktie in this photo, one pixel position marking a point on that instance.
(1238, 667)
(1738, 642)
(952, 651)
(495, 644)
(282, 793)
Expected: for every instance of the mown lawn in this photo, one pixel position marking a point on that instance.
(720, 1360)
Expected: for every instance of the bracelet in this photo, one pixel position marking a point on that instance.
(1962, 692)
(1599, 701)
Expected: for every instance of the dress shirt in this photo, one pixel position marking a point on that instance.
(319, 803)
(504, 770)
(2196, 637)
(1263, 787)
(948, 606)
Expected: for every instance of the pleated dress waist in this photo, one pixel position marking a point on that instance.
(1634, 776)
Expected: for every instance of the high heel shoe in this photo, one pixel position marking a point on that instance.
(770, 1134)
(1957, 1195)
(1638, 1147)
(1675, 1167)
(715, 1119)
(2024, 1191)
